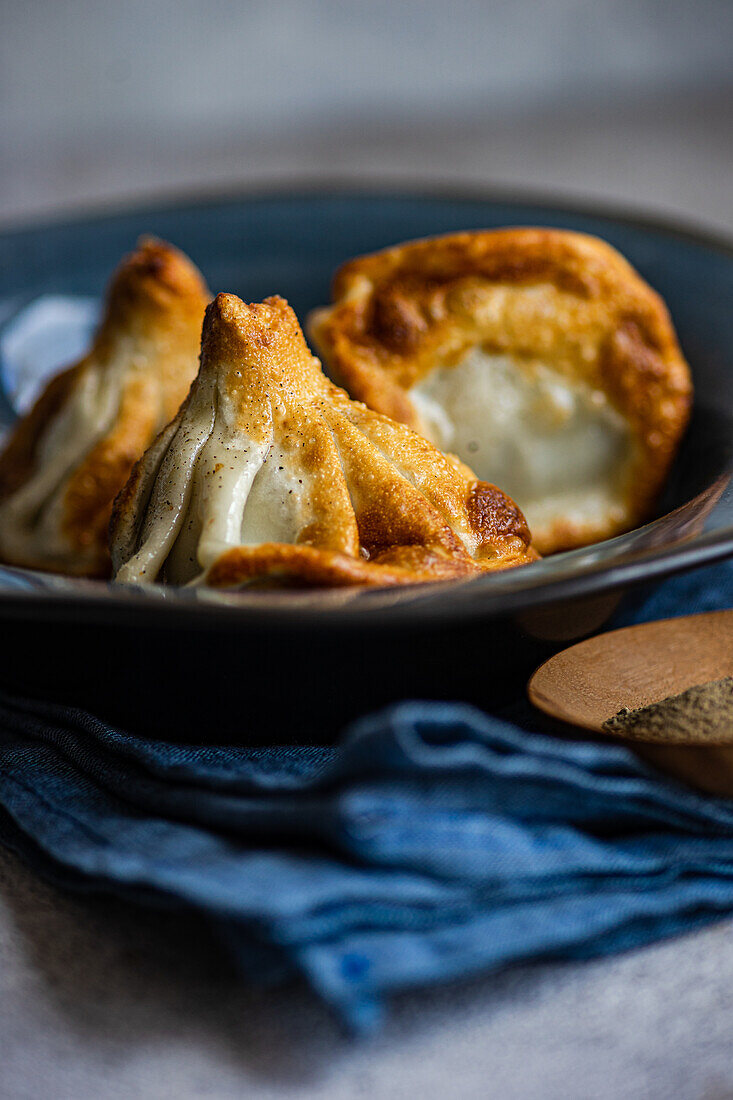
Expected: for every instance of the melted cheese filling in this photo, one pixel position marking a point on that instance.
(556, 445)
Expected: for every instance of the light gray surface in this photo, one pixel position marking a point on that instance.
(96, 1001)
(628, 101)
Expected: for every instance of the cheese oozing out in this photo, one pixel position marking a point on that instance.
(555, 444)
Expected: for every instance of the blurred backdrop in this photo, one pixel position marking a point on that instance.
(629, 100)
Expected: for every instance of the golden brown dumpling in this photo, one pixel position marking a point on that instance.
(538, 356)
(270, 473)
(67, 459)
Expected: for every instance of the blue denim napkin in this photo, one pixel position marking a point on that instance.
(435, 841)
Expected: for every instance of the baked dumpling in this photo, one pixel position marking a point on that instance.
(538, 356)
(68, 458)
(270, 473)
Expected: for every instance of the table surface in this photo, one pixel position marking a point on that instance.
(99, 1000)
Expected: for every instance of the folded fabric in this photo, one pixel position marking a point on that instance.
(434, 842)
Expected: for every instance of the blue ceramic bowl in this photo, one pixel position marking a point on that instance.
(297, 664)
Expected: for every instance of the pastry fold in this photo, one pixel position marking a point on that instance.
(539, 356)
(68, 458)
(271, 474)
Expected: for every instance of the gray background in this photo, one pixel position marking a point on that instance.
(106, 103)
(622, 99)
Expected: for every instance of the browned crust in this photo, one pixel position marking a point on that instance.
(399, 311)
(495, 514)
(155, 305)
(93, 486)
(126, 499)
(314, 566)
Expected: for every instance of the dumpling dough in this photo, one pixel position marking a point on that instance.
(538, 356)
(67, 459)
(269, 473)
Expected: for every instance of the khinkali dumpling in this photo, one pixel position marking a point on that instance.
(270, 473)
(68, 458)
(538, 356)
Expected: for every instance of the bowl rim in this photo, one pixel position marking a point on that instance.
(334, 186)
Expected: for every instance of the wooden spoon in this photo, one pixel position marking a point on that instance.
(589, 682)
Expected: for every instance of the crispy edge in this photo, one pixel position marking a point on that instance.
(311, 566)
